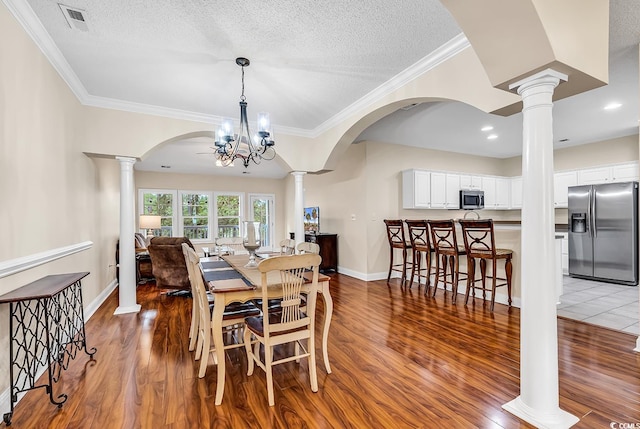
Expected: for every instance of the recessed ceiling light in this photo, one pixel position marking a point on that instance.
(563, 140)
(486, 128)
(492, 136)
(165, 166)
(612, 106)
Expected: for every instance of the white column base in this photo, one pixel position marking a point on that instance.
(125, 310)
(557, 420)
(637, 349)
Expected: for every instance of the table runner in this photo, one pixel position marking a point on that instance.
(215, 271)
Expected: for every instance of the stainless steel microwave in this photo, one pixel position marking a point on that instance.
(471, 199)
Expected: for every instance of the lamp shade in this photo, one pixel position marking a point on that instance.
(150, 222)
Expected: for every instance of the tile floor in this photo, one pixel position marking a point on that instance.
(605, 304)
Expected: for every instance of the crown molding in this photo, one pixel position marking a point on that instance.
(32, 25)
(440, 55)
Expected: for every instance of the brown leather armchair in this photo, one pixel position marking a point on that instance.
(143, 267)
(168, 264)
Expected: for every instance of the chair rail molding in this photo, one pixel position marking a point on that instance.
(13, 266)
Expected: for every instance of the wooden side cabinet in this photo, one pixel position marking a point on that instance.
(328, 249)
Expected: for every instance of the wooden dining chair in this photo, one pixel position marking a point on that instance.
(396, 238)
(287, 246)
(232, 320)
(421, 245)
(307, 247)
(290, 325)
(480, 244)
(195, 307)
(231, 245)
(447, 255)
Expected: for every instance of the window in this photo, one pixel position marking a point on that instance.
(261, 210)
(228, 214)
(195, 215)
(159, 202)
(198, 215)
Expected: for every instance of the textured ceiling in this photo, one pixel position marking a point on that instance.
(309, 61)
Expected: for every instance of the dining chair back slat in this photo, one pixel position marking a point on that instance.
(293, 324)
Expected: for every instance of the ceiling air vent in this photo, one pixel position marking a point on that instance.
(76, 18)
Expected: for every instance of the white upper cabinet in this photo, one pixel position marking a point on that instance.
(625, 172)
(609, 173)
(516, 193)
(453, 191)
(470, 182)
(592, 176)
(423, 189)
(438, 190)
(503, 193)
(489, 188)
(445, 190)
(416, 189)
(561, 183)
(496, 192)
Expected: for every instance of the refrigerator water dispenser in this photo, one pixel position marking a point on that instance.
(579, 222)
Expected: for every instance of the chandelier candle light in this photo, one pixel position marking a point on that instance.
(244, 146)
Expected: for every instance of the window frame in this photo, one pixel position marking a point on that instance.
(174, 207)
(181, 217)
(177, 220)
(241, 198)
(271, 198)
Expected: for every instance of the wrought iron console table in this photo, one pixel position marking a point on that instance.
(46, 324)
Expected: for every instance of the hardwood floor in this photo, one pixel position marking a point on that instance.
(399, 359)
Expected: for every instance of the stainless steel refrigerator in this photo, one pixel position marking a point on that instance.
(603, 232)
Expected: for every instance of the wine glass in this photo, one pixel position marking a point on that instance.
(251, 241)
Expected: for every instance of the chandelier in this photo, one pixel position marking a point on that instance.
(244, 146)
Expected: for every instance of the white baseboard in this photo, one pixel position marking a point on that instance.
(5, 396)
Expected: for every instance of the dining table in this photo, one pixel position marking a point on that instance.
(230, 281)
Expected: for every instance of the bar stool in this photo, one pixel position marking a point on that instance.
(395, 234)
(421, 244)
(445, 244)
(479, 243)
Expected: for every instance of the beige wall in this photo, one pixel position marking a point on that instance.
(340, 194)
(368, 183)
(52, 195)
(150, 180)
(622, 149)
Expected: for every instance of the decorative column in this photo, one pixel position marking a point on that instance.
(127, 285)
(538, 402)
(298, 205)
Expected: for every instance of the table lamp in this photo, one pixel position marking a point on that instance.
(150, 222)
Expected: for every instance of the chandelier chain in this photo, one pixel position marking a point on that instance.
(242, 97)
